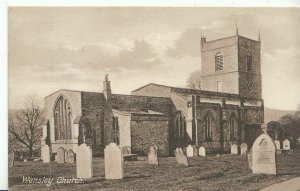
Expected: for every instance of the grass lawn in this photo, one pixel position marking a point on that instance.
(227, 172)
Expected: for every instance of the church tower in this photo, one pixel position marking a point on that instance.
(232, 65)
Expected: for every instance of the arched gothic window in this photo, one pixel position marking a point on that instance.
(180, 124)
(208, 122)
(219, 61)
(249, 62)
(233, 127)
(115, 123)
(62, 119)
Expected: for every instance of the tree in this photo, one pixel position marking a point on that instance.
(24, 126)
(275, 130)
(194, 81)
(291, 125)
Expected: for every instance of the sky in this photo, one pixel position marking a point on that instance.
(73, 48)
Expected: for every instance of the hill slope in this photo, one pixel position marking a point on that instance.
(275, 114)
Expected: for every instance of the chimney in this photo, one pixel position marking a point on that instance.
(203, 40)
(106, 88)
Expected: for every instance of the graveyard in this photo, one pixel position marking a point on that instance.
(224, 172)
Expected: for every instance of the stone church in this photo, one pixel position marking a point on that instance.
(228, 109)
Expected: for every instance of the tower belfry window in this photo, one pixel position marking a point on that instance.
(249, 62)
(219, 61)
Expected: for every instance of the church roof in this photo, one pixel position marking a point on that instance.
(188, 91)
(67, 90)
(129, 112)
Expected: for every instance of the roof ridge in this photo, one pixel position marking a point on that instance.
(71, 91)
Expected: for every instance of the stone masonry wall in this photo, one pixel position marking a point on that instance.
(147, 130)
(93, 119)
(215, 110)
(251, 47)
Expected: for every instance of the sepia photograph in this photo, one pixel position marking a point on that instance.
(153, 98)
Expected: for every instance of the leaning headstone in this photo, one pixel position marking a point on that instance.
(244, 149)
(234, 149)
(264, 157)
(286, 144)
(152, 155)
(84, 166)
(11, 159)
(190, 151)
(202, 151)
(113, 159)
(71, 156)
(181, 157)
(277, 144)
(45, 154)
(60, 155)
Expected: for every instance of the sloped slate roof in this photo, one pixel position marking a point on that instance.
(141, 104)
(187, 91)
(129, 112)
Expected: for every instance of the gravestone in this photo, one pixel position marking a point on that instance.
(113, 159)
(234, 149)
(181, 157)
(202, 151)
(195, 149)
(84, 165)
(11, 158)
(45, 154)
(126, 150)
(244, 149)
(277, 144)
(286, 144)
(152, 155)
(71, 156)
(60, 158)
(264, 157)
(250, 159)
(190, 151)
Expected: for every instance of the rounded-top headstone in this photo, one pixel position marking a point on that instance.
(264, 156)
(71, 156)
(61, 154)
(126, 150)
(152, 155)
(202, 151)
(244, 149)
